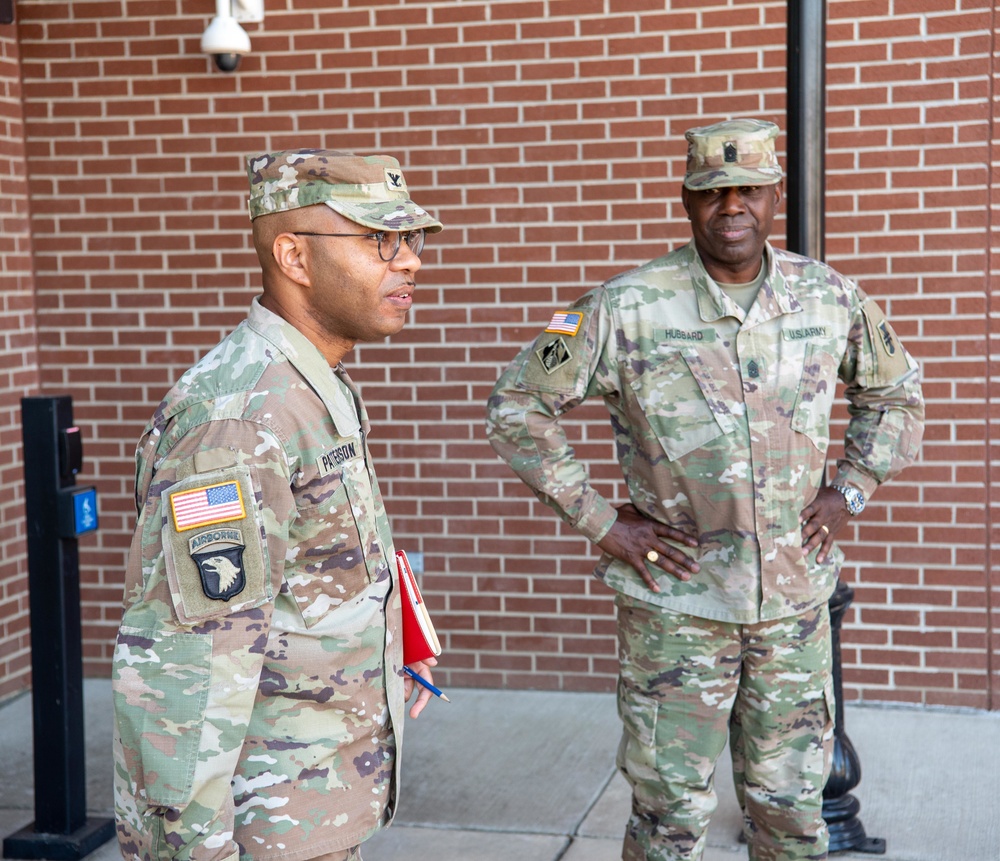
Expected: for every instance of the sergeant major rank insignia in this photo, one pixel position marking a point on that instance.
(553, 355)
(218, 554)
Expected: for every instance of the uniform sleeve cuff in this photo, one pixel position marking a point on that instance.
(598, 520)
(849, 475)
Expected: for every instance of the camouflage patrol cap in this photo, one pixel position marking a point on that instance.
(368, 189)
(734, 152)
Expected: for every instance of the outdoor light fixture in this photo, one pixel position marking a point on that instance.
(225, 39)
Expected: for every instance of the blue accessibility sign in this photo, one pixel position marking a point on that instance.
(85, 510)
(77, 511)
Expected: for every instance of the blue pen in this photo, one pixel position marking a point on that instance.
(418, 678)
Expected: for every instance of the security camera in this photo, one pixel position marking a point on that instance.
(225, 39)
(227, 62)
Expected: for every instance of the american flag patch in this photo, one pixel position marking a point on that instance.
(565, 322)
(203, 506)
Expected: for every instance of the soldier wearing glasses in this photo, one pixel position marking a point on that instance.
(719, 364)
(258, 680)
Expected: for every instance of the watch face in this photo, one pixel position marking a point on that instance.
(854, 498)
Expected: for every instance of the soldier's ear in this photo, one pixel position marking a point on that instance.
(685, 200)
(290, 253)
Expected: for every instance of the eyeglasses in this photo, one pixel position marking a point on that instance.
(388, 240)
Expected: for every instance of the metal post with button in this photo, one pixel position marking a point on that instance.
(58, 513)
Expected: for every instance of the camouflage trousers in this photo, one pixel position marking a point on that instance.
(684, 684)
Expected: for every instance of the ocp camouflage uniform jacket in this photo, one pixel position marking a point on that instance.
(257, 673)
(721, 423)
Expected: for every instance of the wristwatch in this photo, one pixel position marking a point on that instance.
(854, 498)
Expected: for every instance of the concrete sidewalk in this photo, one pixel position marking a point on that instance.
(530, 776)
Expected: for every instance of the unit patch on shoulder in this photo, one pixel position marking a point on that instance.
(203, 506)
(214, 544)
(887, 339)
(889, 361)
(553, 355)
(565, 322)
(219, 557)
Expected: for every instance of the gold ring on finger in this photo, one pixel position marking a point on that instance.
(652, 556)
(826, 529)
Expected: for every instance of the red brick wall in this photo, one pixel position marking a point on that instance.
(18, 370)
(548, 137)
(909, 214)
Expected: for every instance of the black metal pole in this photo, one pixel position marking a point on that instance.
(805, 214)
(806, 119)
(52, 456)
(56, 656)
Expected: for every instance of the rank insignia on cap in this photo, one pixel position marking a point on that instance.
(394, 179)
(203, 506)
(554, 355)
(565, 322)
(729, 154)
(219, 557)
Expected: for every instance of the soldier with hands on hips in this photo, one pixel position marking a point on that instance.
(258, 673)
(718, 364)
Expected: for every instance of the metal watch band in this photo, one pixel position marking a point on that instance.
(854, 498)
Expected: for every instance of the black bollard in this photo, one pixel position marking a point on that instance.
(57, 513)
(840, 808)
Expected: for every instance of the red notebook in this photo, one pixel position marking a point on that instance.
(420, 640)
